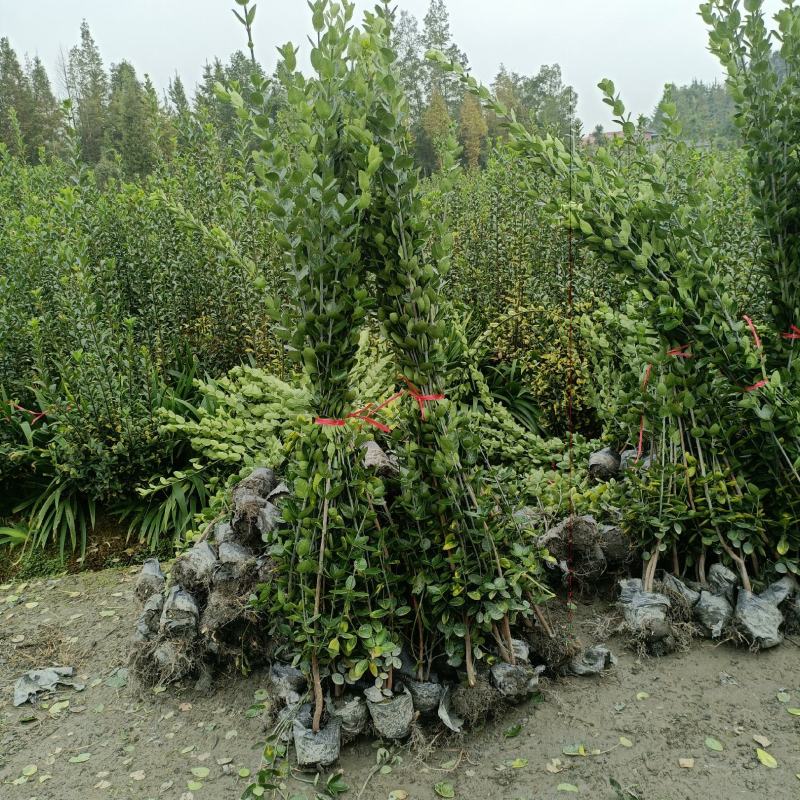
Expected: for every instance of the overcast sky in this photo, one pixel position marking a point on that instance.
(639, 44)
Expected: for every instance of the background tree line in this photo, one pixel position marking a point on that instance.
(124, 128)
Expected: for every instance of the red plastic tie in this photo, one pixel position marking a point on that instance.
(36, 415)
(641, 440)
(363, 415)
(680, 352)
(763, 382)
(648, 370)
(793, 334)
(756, 337)
(421, 399)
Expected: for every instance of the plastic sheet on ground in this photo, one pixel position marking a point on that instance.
(31, 684)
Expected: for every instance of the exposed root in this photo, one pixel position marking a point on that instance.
(476, 704)
(558, 646)
(680, 611)
(162, 661)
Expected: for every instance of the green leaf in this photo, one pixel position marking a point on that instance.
(567, 787)
(714, 744)
(766, 759)
(79, 759)
(445, 790)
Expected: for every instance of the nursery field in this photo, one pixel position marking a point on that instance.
(350, 413)
(144, 745)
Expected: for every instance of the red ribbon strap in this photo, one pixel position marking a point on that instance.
(641, 440)
(330, 423)
(421, 399)
(363, 414)
(794, 334)
(36, 416)
(680, 352)
(763, 382)
(648, 370)
(756, 337)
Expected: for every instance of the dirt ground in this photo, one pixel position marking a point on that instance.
(635, 723)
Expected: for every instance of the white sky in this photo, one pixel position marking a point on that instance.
(639, 44)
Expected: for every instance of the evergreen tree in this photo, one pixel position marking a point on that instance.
(87, 87)
(706, 112)
(543, 101)
(407, 44)
(598, 135)
(16, 96)
(436, 125)
(46, 112)
(177, 96)
(131, 126)
(472, 130)
(436, 36)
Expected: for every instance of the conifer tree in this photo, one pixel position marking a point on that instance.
(87, 87)
(472, 130)
(15, 95)
(45, 110)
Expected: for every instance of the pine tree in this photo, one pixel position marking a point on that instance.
(87, 87)
(177, 95)
(407, 44)
(16, 95)
(436, 125)
(472, 130)
(46, 117)
(706, 112)
(131, 127)
(436, 36)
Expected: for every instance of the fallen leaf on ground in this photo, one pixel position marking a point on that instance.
(200, 772)
(762, 740)
(138, 775)
(554, 766)
(686, 763)
(80, 758)
(566, 787)
(783, 697)
(766, 759)
(445, 790)
(625, 741)
(642, 695)
(714, 744)
(57, 708)
(398, 794)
